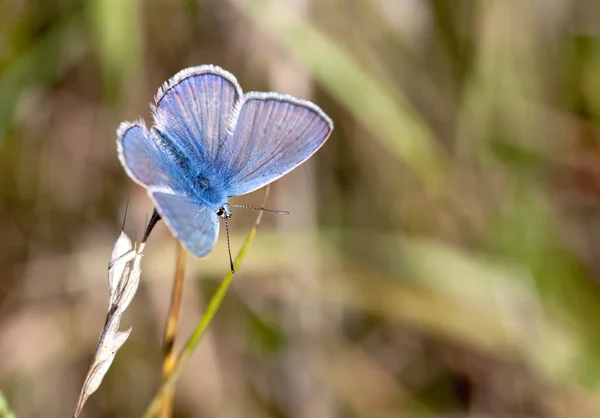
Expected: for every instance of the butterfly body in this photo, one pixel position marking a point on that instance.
(197, 178)
(210, 142)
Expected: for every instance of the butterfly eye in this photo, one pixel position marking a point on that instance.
(224, 211)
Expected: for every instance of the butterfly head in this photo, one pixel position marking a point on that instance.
(224, 211)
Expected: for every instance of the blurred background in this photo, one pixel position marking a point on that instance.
(442, 256)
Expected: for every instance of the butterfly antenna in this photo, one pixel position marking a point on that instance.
(229, 246)
(153, 220)
(279, 212)
(125, 215)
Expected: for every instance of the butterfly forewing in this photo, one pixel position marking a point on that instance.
(194, 109)
(273, 134)
(194, 224)
(142, 158)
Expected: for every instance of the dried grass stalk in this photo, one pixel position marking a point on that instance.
(124, 270)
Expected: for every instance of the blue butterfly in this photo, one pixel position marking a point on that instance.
(209, 142)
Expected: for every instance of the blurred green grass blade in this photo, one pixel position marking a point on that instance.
(5, 411)
(38, 64)
(592, 78)
(118, 35)
(528, 235)
(389, 117)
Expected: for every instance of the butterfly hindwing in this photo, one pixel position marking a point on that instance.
(273, 134)
(194, 224)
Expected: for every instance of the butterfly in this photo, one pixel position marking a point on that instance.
(209, 141)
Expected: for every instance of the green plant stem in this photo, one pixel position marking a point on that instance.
(205, 320)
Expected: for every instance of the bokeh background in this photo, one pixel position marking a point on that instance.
(442, 258)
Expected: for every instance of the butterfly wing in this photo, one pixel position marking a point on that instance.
(194, 110)
(195, 225)
(273, 134)
(142, 157)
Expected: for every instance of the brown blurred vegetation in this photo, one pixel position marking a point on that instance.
(442, 258)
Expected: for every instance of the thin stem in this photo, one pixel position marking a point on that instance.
(199, 331)
(171, 329)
